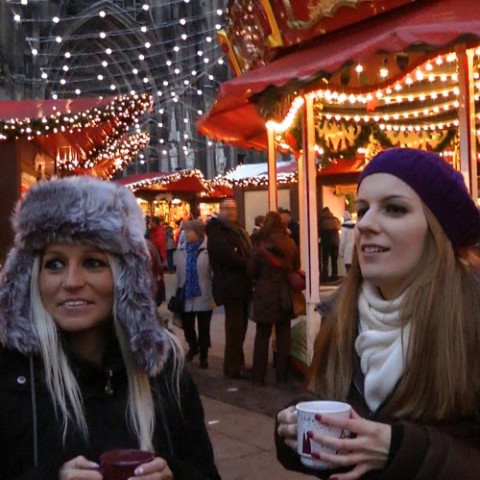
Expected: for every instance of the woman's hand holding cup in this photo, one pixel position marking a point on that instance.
(133, 464)
(287, 426)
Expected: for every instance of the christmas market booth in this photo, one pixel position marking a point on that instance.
(177, 195)
(44, 138)
(333, 81)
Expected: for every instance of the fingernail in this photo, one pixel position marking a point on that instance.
(139, 471)
(94, 465)
(318, 417)
(310, 434)
(315, 455)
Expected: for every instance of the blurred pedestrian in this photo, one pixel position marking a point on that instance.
(195, 276)
(329, 241)
(290, 223)
(158, 237)
(347, 242)
(171, 247)
(255, 235)
(272, 259)
(229, 249)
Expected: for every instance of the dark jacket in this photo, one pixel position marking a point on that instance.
(229, 248)
(268, 266)
(329, 227)
(418, 451)
(180, 435)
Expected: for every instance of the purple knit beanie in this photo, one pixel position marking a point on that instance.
(439, 185)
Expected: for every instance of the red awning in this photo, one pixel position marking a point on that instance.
(435, 24)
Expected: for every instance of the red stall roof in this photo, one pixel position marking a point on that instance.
(433, 24)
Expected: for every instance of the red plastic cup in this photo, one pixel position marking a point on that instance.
(121, 464)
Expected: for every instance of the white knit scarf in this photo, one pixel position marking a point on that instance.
(381, 344)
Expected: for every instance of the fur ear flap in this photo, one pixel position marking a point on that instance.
(99, 213)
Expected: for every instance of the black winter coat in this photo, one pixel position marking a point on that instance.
(229, 249)
(180, 436)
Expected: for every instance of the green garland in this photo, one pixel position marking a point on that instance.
(294, 138)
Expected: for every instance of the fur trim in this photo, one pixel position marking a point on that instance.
(101, 214)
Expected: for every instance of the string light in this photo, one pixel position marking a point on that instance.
(143, 38)
(123, 111)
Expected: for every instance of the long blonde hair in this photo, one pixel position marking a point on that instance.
(63, 386)
(442, 378)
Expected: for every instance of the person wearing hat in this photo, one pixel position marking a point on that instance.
(195, 276)
(402, 343)
(85, 365)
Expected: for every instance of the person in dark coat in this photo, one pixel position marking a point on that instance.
(171, 247)
(292, 225)
(229, 248)
(258, 224)
(402, 342)
(272, 259)
(329, 243)
(85, 364)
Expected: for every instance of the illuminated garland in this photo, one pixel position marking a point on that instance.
(126, 109)
(293, 138)
(122, 112)
(221, 181)
(123, 151)
(169, 178)
(262, 180)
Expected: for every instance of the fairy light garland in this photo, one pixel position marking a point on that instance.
(262, 180)
(125, 109)
(169, 178)
(133, 48)
(384, 113)
(123, 150)
(123, 112)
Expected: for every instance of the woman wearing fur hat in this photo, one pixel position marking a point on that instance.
(85, 365)
(402, 343)
(195, 276)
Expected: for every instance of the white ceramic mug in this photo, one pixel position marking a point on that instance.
(306, 421)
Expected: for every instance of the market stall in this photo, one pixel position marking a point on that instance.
(42, 138)
(176, 195)
(406, 75)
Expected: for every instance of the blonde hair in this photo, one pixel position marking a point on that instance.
(63, 386)
(442, 378)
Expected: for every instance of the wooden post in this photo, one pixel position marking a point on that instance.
(466, 118)
(272, 172)
(307, 178)
(10, 181)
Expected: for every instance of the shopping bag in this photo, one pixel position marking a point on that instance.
(176, 304)
(293, 301)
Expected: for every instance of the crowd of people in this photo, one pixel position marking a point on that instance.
(86, 364)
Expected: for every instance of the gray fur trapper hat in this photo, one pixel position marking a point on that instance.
(104, 215)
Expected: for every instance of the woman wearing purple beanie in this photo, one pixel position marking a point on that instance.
(402, 343)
